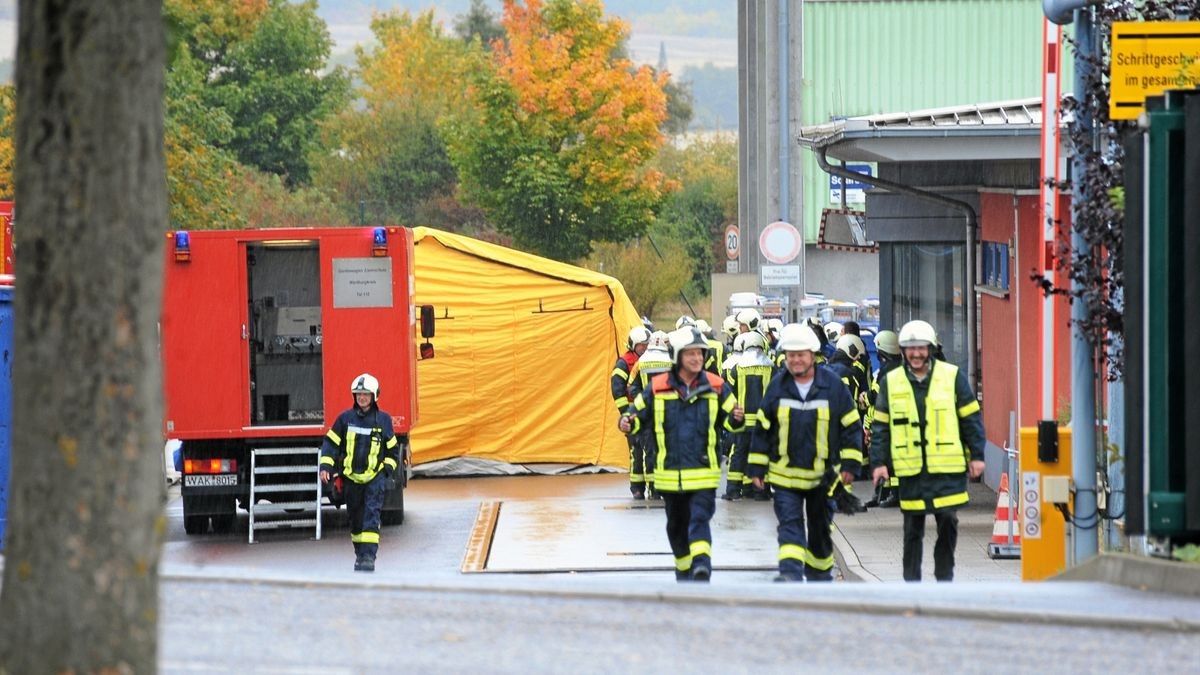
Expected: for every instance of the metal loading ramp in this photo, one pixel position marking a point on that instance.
(609, 535)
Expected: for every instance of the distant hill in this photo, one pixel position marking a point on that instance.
(693, 18)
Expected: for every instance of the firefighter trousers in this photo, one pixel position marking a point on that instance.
(804, 553)
(364, 505)
(642, 459)
(739, 453)
(688, 531)
(943, 550)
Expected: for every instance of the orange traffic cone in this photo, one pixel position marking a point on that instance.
(1006, 530)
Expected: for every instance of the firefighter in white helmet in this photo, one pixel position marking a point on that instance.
(656, 359)
(809, 436)
(684, 407)
(716, 348)
(619, 381)
(748, 378)
(846, 364)
(748, 320)
(362, 449)
(774, 326)
(928, 432)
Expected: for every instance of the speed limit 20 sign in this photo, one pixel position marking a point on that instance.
(733, 242)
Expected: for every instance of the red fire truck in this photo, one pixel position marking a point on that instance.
(262, 334)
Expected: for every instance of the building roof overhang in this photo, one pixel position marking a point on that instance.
(1004, 130)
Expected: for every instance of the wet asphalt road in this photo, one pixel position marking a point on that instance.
(292, 605)
(282, 627)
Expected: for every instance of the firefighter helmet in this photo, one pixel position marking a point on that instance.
(774, 326)
(704, 327)
(637, 335)
(730, 326)
(886, 342)
(751, 340)
(796, 337)
(851, 345)
(750, 318)
(684, 320)
(684, 338)
(365, 384)
(917, 333)
(833, 331)
(659, 341)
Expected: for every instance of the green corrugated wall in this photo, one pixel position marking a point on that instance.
(884, 56)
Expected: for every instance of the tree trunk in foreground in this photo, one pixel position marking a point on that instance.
(80, 589)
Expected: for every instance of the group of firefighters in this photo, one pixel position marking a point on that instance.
(789, 412)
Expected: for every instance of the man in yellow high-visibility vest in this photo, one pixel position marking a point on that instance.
(928, 432)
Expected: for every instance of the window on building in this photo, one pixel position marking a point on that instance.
(994, 266)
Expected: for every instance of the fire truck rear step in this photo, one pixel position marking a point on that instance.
(301, 473)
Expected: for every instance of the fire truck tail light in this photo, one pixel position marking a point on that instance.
(210, 466)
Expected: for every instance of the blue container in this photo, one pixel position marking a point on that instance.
(6, 351)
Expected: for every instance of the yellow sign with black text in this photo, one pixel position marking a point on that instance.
(1149, 58)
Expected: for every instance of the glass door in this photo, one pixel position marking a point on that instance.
(927, 284)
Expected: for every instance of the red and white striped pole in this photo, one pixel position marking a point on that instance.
(1051, 93)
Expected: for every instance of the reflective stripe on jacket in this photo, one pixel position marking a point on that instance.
(361, 445)
(926, 441)
(684, 421)
(799, 440)
(619, 380)
(749, 384)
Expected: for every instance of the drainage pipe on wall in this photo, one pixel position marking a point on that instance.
(972, 224)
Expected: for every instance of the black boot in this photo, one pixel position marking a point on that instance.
(732, 494)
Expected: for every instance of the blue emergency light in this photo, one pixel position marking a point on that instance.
(183, 246)
(379, 247)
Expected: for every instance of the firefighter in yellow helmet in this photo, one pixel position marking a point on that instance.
(809, 436)
(684, 407)
(928, 432)
(361, 448)
(887, 346)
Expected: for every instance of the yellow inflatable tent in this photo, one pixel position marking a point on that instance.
(524, 349)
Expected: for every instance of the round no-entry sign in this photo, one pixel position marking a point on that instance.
(733, 241)
(780, 242)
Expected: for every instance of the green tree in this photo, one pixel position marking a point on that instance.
(387, 160)
(264, 200)
(199, 170)
(272, 87)
(680, 105)
(479, 22)
(696, 214)
(649, 280)
(8, 105)
(388, 165)
(556, 145)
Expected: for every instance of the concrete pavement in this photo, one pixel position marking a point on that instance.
(869, 545)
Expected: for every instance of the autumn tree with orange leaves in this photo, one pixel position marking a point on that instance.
(556, 144)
